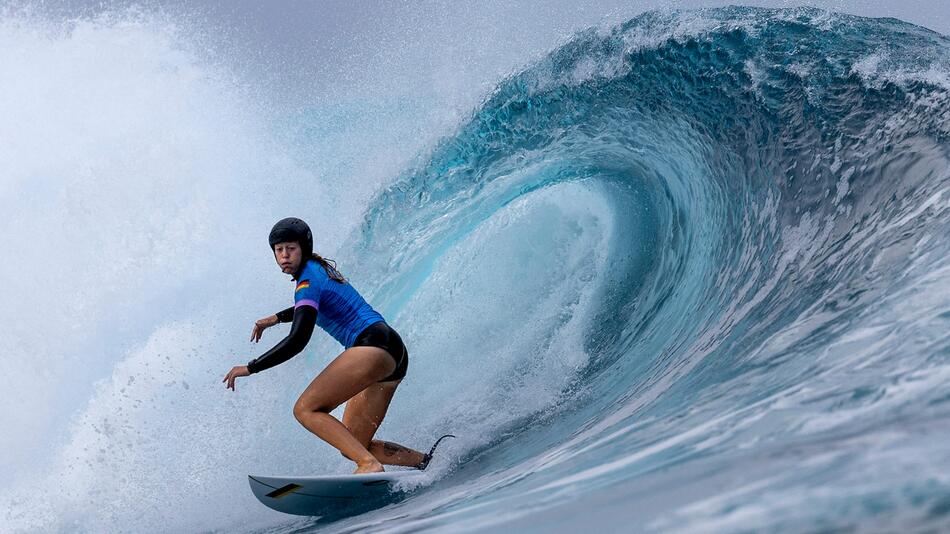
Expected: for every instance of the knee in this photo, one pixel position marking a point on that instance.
(299, 412)
(302, 409)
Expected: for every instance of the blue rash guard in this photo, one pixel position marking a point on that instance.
(334, 306)
(341, 311)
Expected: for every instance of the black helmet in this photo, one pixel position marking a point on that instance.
(292, 229)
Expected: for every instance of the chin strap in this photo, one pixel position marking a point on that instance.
(428, 457)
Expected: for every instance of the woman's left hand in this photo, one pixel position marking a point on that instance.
(236, 371)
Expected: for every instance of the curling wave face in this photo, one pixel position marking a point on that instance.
(690, 271)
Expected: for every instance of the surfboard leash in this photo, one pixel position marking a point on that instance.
(428, 457)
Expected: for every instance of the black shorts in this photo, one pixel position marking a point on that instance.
(380, 334)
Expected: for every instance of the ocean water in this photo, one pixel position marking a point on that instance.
(689, 272)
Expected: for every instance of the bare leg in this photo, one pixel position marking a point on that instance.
(351, 372)
(389, 453)
(365, 412)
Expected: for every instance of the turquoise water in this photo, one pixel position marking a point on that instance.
(745, 212)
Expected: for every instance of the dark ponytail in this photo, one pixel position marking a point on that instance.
(330, 266)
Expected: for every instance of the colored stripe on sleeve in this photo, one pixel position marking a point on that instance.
(304, 284)
(306, 302)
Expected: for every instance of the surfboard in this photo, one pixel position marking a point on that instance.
(331, 495)
(335, 495)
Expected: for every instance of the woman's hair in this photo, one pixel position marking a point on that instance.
(330, 266)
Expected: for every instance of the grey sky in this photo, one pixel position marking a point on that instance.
(302, 50)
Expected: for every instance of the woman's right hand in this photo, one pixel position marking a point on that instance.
(262, 324)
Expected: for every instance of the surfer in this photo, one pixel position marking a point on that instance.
(364, 376)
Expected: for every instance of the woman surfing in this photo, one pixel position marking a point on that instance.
(364, 376)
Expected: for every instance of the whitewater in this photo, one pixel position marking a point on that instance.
(688, 271)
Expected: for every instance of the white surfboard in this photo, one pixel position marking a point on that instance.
(329, 495)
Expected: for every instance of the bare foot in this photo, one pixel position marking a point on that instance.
(369, 467)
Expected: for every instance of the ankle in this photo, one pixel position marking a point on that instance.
(368, 461)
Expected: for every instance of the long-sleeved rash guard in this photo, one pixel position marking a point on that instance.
(334, 306)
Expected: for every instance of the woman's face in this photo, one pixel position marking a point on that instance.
(288, 256)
